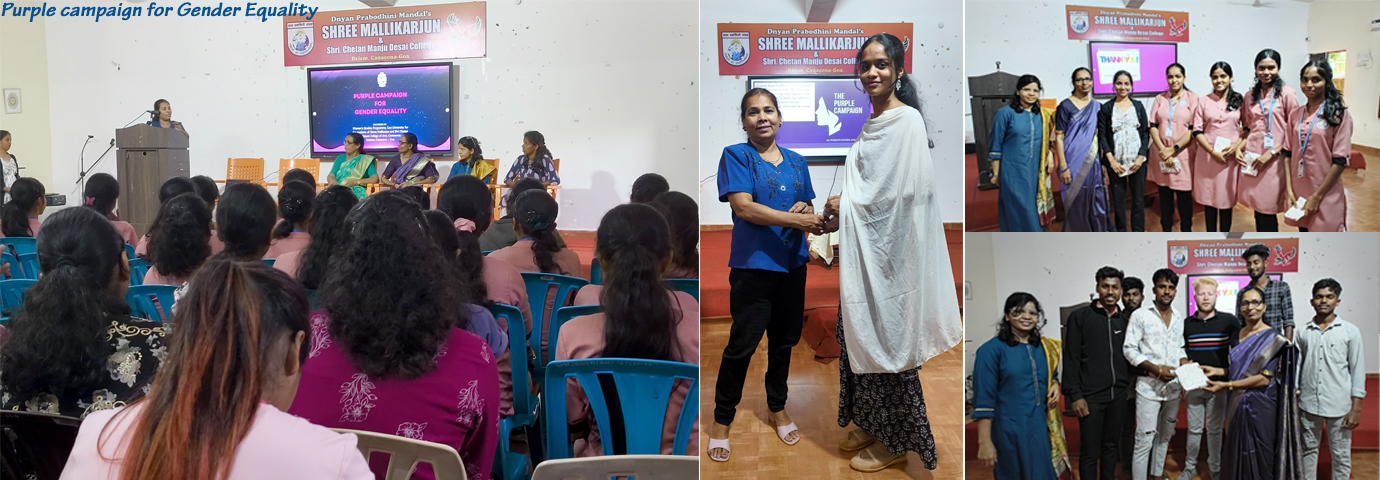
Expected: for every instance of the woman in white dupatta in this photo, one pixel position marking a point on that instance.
(898, 306)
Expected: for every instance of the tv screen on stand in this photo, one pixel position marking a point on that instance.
(821, 116)
(1145, 62)
(381, 103)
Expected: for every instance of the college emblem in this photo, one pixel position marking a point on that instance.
(1178, 256)
(736, 48)
(299, 38)
(1078, 22)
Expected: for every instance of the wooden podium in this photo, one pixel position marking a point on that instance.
(146, 157)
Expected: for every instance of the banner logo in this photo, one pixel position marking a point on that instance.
(1178, 256)
(299, 38)
(1078, 22)
(737, 48)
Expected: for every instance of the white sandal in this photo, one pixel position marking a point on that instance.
(783, 430)
(718, 443)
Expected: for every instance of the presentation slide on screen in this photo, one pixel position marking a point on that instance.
(820, 116)
(1145, 62)
(381, 104)
(1228, 286)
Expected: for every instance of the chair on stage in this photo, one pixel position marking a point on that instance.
(311, 165)
(245, 170)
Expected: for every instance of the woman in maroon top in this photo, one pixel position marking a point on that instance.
(389, 352)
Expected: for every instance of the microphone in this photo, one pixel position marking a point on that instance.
(88, 137)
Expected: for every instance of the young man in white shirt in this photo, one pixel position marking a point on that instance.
(1155, 343)
(1331, 381)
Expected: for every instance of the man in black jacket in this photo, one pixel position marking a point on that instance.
(1096, 376)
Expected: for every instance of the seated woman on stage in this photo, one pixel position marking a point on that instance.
(469, 160)
(181, 242)
(19, 217)
(535, 162)
(170, 189)
(642, 317)
(73, 349)
(411, 167)
(295, 202)
(164, 119)
(354, 168)
(100, 194)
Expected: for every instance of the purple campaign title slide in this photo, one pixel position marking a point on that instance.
(821, 116)
(1145, 62)
(381, 104)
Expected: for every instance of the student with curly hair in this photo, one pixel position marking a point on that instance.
(181, 242)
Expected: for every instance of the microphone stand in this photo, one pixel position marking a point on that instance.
(82, 176)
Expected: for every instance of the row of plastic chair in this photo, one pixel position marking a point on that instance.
(145, 301)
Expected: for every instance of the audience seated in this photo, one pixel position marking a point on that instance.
(181, 242)
(171, 187)
(648, 186)
(328, 231)
(682, 215)
(101, 193)
(299, 175)
(295, 202)
(500, 233)
(537, 250)
(442, 232)
(73, 349)
(233, 368)
(245, 217)
(389, 350)
(19, 217)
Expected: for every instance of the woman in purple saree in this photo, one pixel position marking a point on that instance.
(1263, 439)
(1086, 207)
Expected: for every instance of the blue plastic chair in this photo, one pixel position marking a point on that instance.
(563, 315)
(29, 262)
(507, 464)
(644, 390)
(12, 294)
(129, 251)
(487, 252)
(20, 245)
(538, 288)
(687, 285)
(16, 270)
(137, 269)
(269, 261)
(596, 273)
(141, 300)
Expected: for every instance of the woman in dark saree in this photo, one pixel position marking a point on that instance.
(1263, 437)
(1086, 205)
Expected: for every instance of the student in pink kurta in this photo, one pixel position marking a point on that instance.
(534, 222)
(170, 188)
(469, 203)
(1265, 126)
(1217, 118)
(233, 366)
(642, 318)
(1171, 168)
(100, 194)
(1318, 149)
(295, 202)
(389, 351)
(179, 245)
(328, 236)
(19, 217)
(683, 217)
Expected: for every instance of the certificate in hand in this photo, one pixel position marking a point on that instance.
(1191, 377)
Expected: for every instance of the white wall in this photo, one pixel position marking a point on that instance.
(1059, 269)
(1032, 37)
(937, 55)
(24, 65)
(1345, 25)
(608, 82)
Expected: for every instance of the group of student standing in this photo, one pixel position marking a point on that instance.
(373, 317)
(1262, 149)
(1271, 386)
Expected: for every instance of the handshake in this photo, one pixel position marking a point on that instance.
(806, 220)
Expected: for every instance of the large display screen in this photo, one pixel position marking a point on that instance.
(381, 103)
(1228, 286)
(821, 116)
(1144, 61)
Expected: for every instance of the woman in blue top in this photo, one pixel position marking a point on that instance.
(164, 118)
(770, 192)
(1011, 395)
(1018, 143)
(535, 162)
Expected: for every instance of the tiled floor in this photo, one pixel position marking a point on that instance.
(1363, 465)
(813, 404)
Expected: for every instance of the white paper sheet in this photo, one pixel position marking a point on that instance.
(1296, 211)
(1191, 377)
(1221, 144)
(1249, 169)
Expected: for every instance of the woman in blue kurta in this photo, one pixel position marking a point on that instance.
(1017, 140)
(769, 190)
(1011, 394)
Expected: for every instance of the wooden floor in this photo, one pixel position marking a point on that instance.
(813, 405)
(1363, 465)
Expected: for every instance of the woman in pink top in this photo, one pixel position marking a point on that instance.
(1318, 149)
(170, 188)
(1217, 121)
(1265, 127)
(642, 318)
(101, 193)
(389, 353)
(1171, 128)
(19, 217)
(295, 201)
(180, 244)
(467, 200)
(216, 410)
(328, 233)
(683, 217)
(537, 251)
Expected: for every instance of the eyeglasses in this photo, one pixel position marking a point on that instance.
(1252, 303)
(1081, 80)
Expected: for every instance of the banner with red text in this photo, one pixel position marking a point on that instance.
(1224, 256)
(1125, 25)
(380, 35)
(800, 48)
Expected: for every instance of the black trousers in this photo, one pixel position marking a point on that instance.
(1169, 198)
(1099, 433)
(1127, 444)
(1133, 184)
(1217, 220)
(1266, 223)
(760, 301)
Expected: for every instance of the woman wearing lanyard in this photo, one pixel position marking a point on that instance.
(1318, 153)
(1217, 126)
(1265, 122)
(1171, 125)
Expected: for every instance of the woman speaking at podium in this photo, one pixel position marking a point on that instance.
(164, 117)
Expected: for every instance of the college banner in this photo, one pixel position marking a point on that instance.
(1126, 25)
(376, 35)
(1224, 256)
(800, 48)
